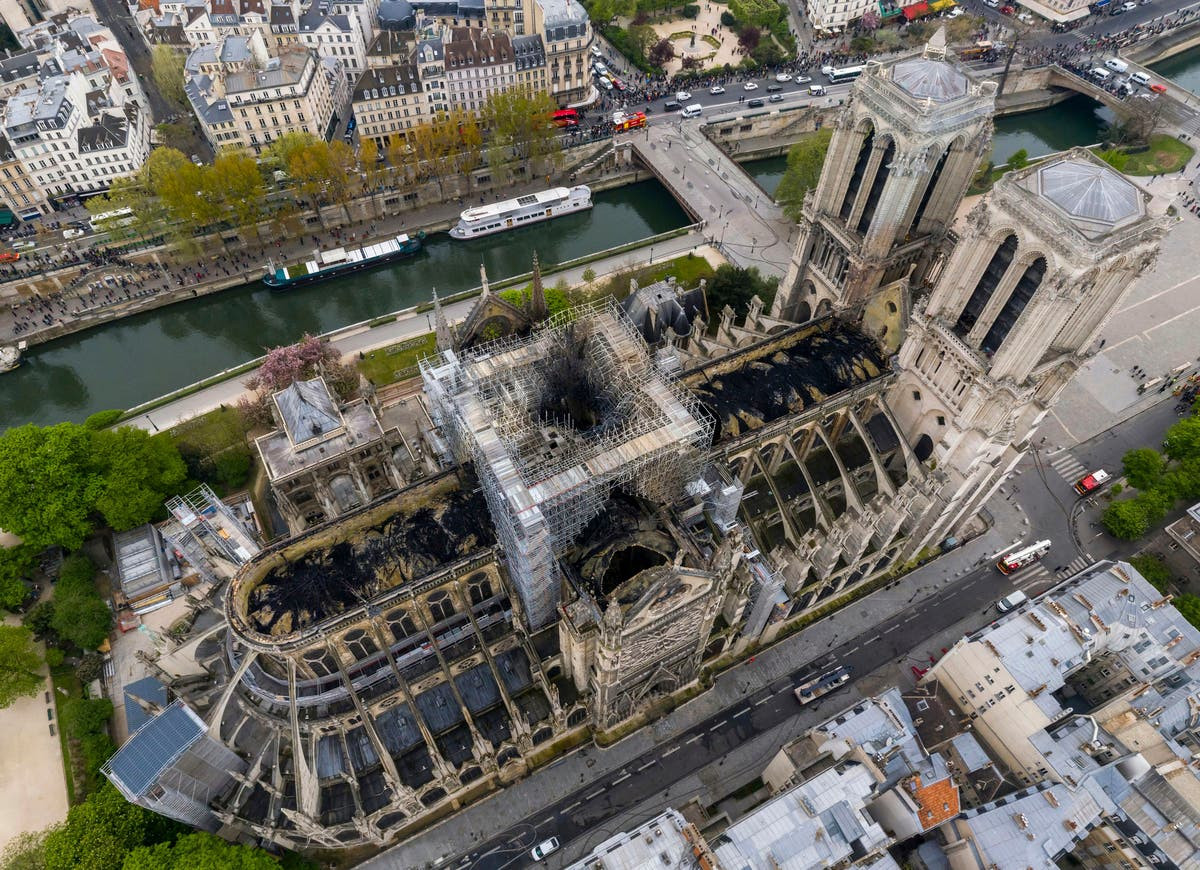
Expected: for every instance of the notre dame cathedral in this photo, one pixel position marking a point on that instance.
(568, 514)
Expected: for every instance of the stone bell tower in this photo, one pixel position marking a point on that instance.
(1042, 263)
(902, 155)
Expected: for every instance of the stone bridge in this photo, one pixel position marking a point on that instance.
(741, 218)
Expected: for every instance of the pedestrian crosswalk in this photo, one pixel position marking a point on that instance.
(1068, 467)
(1075, 567)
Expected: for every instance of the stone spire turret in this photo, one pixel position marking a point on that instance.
(446, 339)
(483, 281)
(537, 298)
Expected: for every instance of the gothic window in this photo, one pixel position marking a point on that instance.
(440, 605)
(986, 285)
(360, 644)
(929, 191)
(881, 176)
(401, 624)
(321, 662)
(916, 395)
(856, 177)
(1016, 303)
(480, 591)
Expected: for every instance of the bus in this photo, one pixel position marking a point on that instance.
(107, 220)
(978, 50)
(565, 118)
(1018, 559)
(822, 685)
(837, 75)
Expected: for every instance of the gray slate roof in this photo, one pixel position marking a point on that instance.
(1089, 191)
(929, 79)
(307, 411)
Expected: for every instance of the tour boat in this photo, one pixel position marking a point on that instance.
(342, 261)
(512, 213)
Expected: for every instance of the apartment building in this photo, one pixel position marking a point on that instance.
(834, 16)
(246, 98)
(1087, 697)
(389, 101)
(18, 188)
(479, 63)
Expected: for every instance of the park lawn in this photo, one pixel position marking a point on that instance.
(210, 433)
(688, 271)
(1165, 154)
(381, 365)
(64, 677)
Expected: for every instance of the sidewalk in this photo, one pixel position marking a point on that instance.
(361, 338)
(492, 816)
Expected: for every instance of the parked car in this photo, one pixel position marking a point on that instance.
(1011, 602)
(544, 848)
(756, 104)
(803, 80)
(671, 106)
(991, 3)
(773, 88)
(775, 98)
(72, 233)
(783, 77)
(683, 96)
(1158, 88)
(750, 86)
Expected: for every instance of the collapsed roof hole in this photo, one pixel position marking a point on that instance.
(629, 562)
(572, 392)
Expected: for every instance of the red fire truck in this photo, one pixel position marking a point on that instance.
(1018, 559)
(1089, 482)
(623, 121)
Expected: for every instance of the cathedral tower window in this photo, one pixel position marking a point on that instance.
(881, 177)
(987, 284)
(856, 177)
(1016, 303)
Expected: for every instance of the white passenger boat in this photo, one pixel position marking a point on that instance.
(512, 213)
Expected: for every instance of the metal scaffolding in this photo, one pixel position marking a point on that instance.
(553, 422)
(203, 526)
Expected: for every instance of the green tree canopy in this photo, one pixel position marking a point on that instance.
(137, 471)
(20, 664)
(101, 831)
(735, 287)
(25, 851)
(84, 716)
(1126, 520)
(761, 12)
(1153, 568)
(1143, 467)
(16, 567)
(199, 851)
(1189, 606)
(1182, 441)
(166, 68)
(48, 485)
(80, 615)
(804, 163)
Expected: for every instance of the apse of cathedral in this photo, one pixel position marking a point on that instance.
(570, 515)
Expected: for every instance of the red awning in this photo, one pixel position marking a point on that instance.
(916, 10)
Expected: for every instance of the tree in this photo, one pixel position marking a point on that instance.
(138, 472)
(47, 485)
(16, 567)
(174, 134)
(166, 68)
(519, 123)
(80, 616)
(870, 21)
(40, 620)
(767, 54)
(103, 419)
(1126, 520)
(84, 716)
(199, 851)
(1189, 607)
(804, 163)
(1153, 568)
(1182, 442)
(100, 832)
(90, 667)
(237, 181)
(735, 287)
(661, 52)
(20, 665)
(25, 851)
(749, 36)
(641, 38)
(1155, 504)
(1143, 467)
(761, 12)
(1019, 159)
(368, 163)
(727, 20)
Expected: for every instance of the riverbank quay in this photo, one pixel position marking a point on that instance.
(105, 293)
(226, 388)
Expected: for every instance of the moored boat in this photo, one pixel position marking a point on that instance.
(342, 261)
(484, 220)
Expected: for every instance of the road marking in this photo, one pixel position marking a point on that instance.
(544, 821)
(890, 630)
(875, 638)
(650, 763)
(741, 713)
(763, 701)
(669, 751)
(572, 806)
(718, 725)
(855, 648)
(692, 739)
(784, 689)
(593, 795)
(914, 616)
(621, 779)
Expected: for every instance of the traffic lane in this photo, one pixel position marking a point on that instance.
(897, 637)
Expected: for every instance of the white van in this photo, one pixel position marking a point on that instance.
(1011, 602)
(1139, 78)
(692, 111)
(1100, 75)
(1116, 65)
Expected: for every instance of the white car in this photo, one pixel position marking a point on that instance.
(991, 3)
(783, 77)
(1130, 6)
(716, 89)
(73, 233)
(955, 12)
(541, 850)
(803, 80)
(750, 86)
(683, 96)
